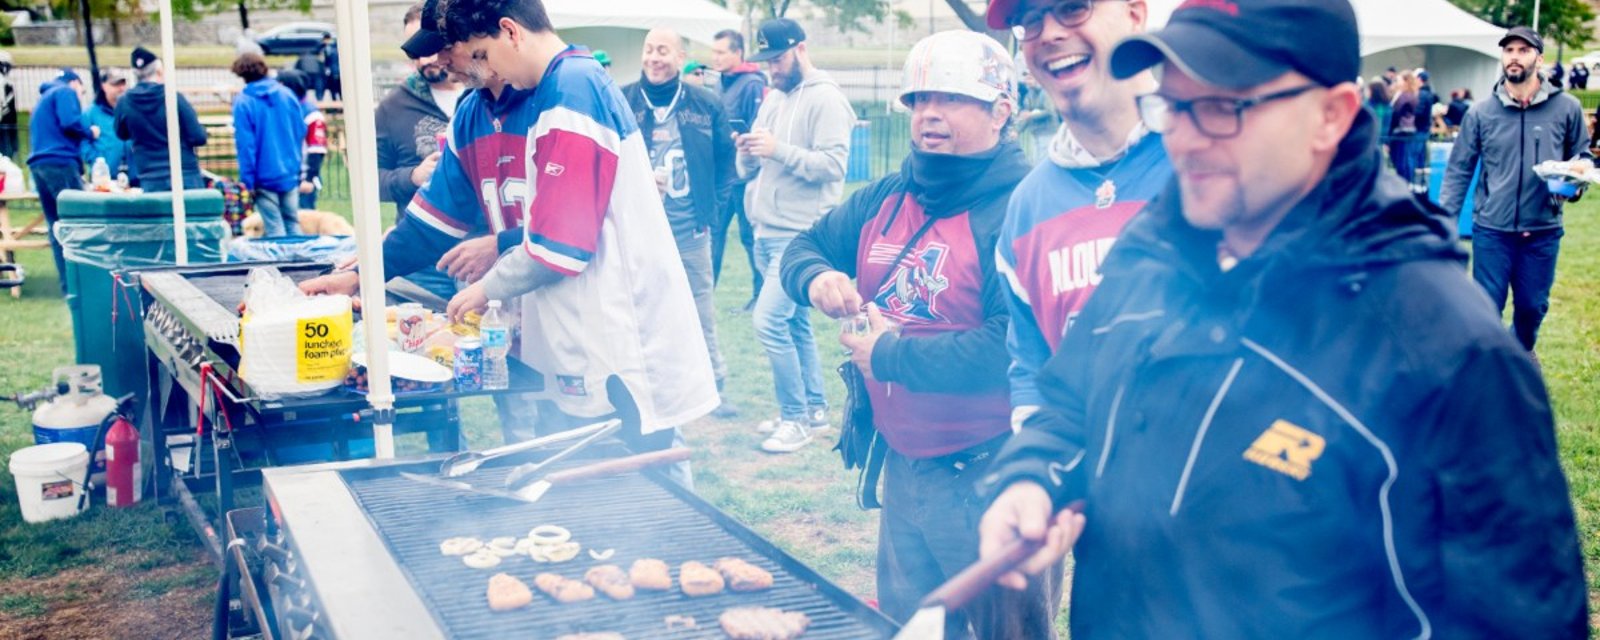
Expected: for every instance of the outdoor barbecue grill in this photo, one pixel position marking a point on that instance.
(191, 330)
(351, 550)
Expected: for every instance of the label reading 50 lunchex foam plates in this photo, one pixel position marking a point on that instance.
(322, 348)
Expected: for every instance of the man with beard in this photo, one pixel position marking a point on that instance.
(799, 144)
(1270, 434)
(1101, 168)
(920, 246)
(691, 150)
(1516, 221)
(410, 119)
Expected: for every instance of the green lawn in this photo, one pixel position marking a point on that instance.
(803, 502)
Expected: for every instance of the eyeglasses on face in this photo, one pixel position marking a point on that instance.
(1216, 117)
(1069, 13)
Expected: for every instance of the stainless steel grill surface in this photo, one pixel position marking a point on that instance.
(637, 515)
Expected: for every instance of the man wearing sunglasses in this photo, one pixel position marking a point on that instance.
(1102, 166)
(1270, 434)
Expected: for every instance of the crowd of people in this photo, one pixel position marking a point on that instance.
(1136, 349)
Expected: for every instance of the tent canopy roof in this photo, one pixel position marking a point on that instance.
(697, 20)
(1394, 24)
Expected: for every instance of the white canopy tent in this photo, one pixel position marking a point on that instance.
(619, 26)
(1456, 48)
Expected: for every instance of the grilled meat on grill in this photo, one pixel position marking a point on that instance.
(564, 590)
(699, 580)
(743, 576)
(611, 580)
(763, 623)
(507, 593)
(650, 574)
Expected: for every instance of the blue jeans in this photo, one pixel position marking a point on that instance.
(1523, 264)
(50, 179)
(279, 210)
(784, 330)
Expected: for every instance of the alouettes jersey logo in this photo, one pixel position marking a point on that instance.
(912, 292)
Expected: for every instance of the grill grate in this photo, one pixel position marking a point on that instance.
(637, 516)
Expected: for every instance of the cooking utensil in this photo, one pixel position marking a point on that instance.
(533, 492)
(466, 462)
(928, 623)
(525, 473)
(457, 485)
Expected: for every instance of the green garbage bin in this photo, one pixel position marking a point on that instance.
(102, 234)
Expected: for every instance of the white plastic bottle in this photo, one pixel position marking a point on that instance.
(496, 334)
(100, 176)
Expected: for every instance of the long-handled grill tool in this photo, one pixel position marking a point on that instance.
(542, 484)
(466, 462)
(525, 473)
(928, 623)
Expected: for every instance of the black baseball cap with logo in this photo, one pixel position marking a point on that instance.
(1526, 35)
(1238, 44)
(428, 40)
(775, 37)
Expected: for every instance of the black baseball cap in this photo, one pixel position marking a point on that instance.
(141, 57)
(428, 40)
(1238, 44)
(775, 37)
(1526, 35)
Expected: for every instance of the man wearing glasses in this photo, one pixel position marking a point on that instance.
(1270, 434)
(1102, 166)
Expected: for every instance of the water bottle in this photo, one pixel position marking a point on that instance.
(100, 177)
(122, 181)
(496, 335)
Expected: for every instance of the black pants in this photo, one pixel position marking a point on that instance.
(928, 532)
(747, 237)
(1522, 264)
(51, 178)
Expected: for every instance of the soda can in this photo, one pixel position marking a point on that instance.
(469, 364)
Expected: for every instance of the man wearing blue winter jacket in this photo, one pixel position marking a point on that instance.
(267, 130)
(55, 131)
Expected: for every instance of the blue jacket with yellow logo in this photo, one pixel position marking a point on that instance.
(1336, 438)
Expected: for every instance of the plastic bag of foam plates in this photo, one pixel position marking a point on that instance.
(292, 344)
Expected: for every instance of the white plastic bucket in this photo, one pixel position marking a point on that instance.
(50, 480)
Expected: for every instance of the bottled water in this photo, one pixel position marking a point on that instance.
(100, 176)
(496, 334)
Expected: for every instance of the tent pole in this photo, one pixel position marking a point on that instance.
(1536, 4)
(354, 27)
(169, 71)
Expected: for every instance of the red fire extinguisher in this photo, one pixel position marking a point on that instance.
(122, 463)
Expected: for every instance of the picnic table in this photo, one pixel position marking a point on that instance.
(14, 238)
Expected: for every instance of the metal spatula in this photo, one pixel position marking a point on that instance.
(466, 462)
(928, 623)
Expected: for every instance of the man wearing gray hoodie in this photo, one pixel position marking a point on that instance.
(796, 152)
(1516, 220)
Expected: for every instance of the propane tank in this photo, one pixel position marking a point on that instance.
(122, 463)
(76, 413)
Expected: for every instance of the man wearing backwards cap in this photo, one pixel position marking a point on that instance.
(1516, 222)
(1270, 433)
(1103, 166)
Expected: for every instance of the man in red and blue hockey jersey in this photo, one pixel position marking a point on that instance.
(1102, 167)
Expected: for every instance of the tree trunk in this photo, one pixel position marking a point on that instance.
(244, 15)
(975, 21)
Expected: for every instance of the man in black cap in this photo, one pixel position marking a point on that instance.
(1242, 474)
(1516, 220)
(414, 114)
(141, 117)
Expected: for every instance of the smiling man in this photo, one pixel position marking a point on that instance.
(1103, 166)
(919, 245)
(604, 294)
(1272, 437)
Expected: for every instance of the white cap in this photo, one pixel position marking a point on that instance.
(960, 62)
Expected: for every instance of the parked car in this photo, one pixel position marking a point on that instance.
(294, 38)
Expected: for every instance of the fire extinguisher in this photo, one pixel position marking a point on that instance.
(122, 463)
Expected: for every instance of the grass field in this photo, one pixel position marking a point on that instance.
(65, 579)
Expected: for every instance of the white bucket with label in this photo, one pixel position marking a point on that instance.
(50, 480)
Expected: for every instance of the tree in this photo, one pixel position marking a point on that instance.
(848, 15)
(194, 9)
(1560, 21)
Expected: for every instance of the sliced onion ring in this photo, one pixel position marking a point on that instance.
(601, 555)
(549, 534)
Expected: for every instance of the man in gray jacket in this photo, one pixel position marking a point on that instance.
(799, 144)
(1516, 221)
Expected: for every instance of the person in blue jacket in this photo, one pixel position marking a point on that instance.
(268, 128)
(1270, 434)
(101, 115)
(55, 131)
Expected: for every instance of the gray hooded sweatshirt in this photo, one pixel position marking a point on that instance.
(804, 178)
(1508, 138)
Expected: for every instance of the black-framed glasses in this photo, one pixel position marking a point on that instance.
(1215, 117)
(1070, 13)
